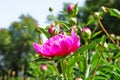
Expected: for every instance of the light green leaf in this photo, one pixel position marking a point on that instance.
(90, 21)
(95, 34)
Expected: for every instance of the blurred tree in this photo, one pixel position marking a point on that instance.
(16, 43)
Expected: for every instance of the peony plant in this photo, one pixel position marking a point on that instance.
(75, 52)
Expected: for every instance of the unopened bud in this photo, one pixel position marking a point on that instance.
(78, 79)
(50, 9)
(117, 37)
(104, 9)
(13, 73)
(86, 33)
(70, 7)
(96, 14)
(113, 36)
(51, 30)
(43, 67)
(74, 20)
(37, 55)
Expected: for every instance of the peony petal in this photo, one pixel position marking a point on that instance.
(37, 47)
(73, 34)
(76, 40)
(64, 45)
(46, 51)
(76, 45)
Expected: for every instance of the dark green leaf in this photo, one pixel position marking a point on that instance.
(114, 12)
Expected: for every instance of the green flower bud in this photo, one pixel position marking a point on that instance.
(86, 33)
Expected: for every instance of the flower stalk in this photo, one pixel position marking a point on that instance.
(101, 25)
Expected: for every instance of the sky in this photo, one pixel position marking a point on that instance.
(11, 10)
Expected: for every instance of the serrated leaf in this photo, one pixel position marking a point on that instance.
(114, 12)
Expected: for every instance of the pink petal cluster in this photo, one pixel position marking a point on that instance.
(59, 45)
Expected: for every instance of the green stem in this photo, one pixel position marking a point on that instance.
(58, 73)
(86, 58)
(40, 40)
(101, 25)
(62, 68)
(86, 43)
(96, 67)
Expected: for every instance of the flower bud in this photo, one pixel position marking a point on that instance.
(73, 21)
(104, 9)
(96, 14)
(117, 37)
(113, 36)
(43, 67)
(50, 9)
(13, 73)
(78, 79)
(70, 7)
(51, 29)
(86, 33)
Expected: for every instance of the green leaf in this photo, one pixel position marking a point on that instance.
(42, 59)
(113, 46)
(100, 78)
(75, 9)
(114, 12)
(103, 39)
(90, 21)
(117, 55)
(74, 60)
(64, 24)
(41, 30)
(95, 34)
(90, 46)
(103, 74)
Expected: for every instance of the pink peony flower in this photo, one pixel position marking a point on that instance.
(70, 8)
(59, 45)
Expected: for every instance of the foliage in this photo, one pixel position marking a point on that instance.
(97, 57)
